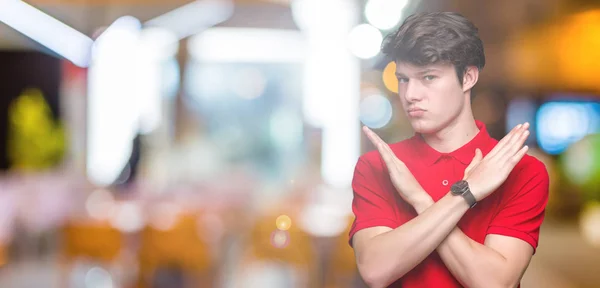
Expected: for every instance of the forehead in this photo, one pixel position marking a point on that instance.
(405, 68)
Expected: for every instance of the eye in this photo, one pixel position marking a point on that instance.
(402, 80)
(429, 77)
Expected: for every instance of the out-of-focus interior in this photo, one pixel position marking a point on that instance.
(211, 143)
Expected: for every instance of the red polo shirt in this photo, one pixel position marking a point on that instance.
(516, 209)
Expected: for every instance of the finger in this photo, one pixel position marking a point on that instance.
(518, 143)
(517, 157)
(506, 140)
(518, 135)
(478, 155)
(392, 155)
(370, 135)
(377, 140)
(500, 143)
(476, 159)
(513, 146)
(517, 129)
(381, 146)
(386, 155)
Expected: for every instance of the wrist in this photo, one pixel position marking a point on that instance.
(458, 201)
(464, 189)
(476, 191)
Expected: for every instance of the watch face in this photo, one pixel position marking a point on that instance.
(459, 187)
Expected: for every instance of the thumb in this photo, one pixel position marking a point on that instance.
(478, 156)
(475, 161)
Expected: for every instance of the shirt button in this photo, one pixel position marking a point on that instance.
(445, 182)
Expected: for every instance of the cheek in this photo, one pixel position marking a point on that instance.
(448, 95)
(402, 100)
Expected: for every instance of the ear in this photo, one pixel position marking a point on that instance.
(470, 78)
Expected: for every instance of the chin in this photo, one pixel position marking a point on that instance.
(422, 126)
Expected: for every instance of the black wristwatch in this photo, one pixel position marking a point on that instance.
(461, 188)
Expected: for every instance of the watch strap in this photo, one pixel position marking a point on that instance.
(469, 198)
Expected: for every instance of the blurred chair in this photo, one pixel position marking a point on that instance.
(179, 248)
(287, 249)
(94, 241)
(3, 254)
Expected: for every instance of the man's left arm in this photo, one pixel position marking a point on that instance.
(511, 238)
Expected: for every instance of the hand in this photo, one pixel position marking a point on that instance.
(405, 183)
(486, 175)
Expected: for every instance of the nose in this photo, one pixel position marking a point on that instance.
(413, 92)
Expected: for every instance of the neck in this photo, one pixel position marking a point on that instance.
(458, 133)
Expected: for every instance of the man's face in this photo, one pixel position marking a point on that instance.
(431, 95)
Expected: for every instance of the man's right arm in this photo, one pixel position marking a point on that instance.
(384, 255)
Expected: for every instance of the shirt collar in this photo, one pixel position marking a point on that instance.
(464, 154)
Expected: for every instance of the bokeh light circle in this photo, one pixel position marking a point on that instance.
(375, 111)
(365, 41)
(389, 77)
(384, 14)
(283, 222)
(280, 239)
(581, 165)
(590, 223)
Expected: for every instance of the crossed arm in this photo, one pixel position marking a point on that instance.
(384, 254)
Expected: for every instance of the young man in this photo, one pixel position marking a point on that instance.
(416, 223)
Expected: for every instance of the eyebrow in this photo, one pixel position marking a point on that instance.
(422, 72)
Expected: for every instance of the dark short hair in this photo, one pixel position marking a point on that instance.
(434, 37)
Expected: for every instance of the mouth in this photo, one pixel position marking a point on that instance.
(415, 112)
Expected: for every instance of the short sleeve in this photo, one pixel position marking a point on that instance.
(372, 206)
(523, 212)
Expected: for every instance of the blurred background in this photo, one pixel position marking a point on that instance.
(211, 143)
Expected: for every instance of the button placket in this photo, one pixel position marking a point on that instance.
(446, 159)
